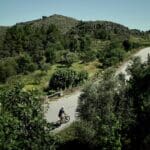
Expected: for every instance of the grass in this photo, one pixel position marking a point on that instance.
(99, 44)
(90, 67)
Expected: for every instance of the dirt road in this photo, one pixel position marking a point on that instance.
(142, 54)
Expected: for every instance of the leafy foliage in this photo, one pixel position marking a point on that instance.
(25, 64)
(96, 107)
(65, 78)
(22, 124)
(7, 69)
(139, 93)
(111, 55)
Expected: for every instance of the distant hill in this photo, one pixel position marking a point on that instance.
(62, 31)
(102, 27)
(63, 23)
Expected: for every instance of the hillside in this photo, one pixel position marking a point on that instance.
(3, 31)
(66, 26)
(65, 42)
(94, 26)
(63, 23)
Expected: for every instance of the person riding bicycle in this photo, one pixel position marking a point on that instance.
(61, 114)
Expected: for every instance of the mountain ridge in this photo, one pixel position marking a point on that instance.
(61, 20)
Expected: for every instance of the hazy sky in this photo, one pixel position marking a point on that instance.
(132, 13)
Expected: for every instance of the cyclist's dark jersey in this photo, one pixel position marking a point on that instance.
(61, 112)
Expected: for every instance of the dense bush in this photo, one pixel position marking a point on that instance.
(22, 123)
(127, 45)
(102, 34)
(96, 107)
(12, 66)
(50, 55)
(25, 64)
(8, 67)
(69, 58)
(139, 94)
(110, 56)
(65, 78)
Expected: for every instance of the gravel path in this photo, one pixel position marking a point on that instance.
(142, 54)
(70, 102)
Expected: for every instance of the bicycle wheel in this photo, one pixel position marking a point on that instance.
(67, 118)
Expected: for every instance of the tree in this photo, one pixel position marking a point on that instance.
(74, 44)
(101, 34)
(7, 69)
(70, 58)
(127, 45)
(96, 106)
(139, 93)
(22, 123)
(110, 56)
(85, 43)
(9, 129)
(50, 55)
(25, 64)
(53, 34)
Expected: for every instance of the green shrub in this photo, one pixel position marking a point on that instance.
(50, 55)
(25, 64)
(7, 68)
(65, 78)
(127, 45)
(109, 57)
(70, 58)
(22, 125)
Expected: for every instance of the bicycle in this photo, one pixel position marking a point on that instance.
(65, 119)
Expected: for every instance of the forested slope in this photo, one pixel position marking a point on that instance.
(41, 43)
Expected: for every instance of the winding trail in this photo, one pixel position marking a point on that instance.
(70, 102)
(143, 53)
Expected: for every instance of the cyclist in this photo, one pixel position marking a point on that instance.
(61, 114)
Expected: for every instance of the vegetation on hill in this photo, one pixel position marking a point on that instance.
(64, 24)
(67, 78)
(3, 31)
(40, 44)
